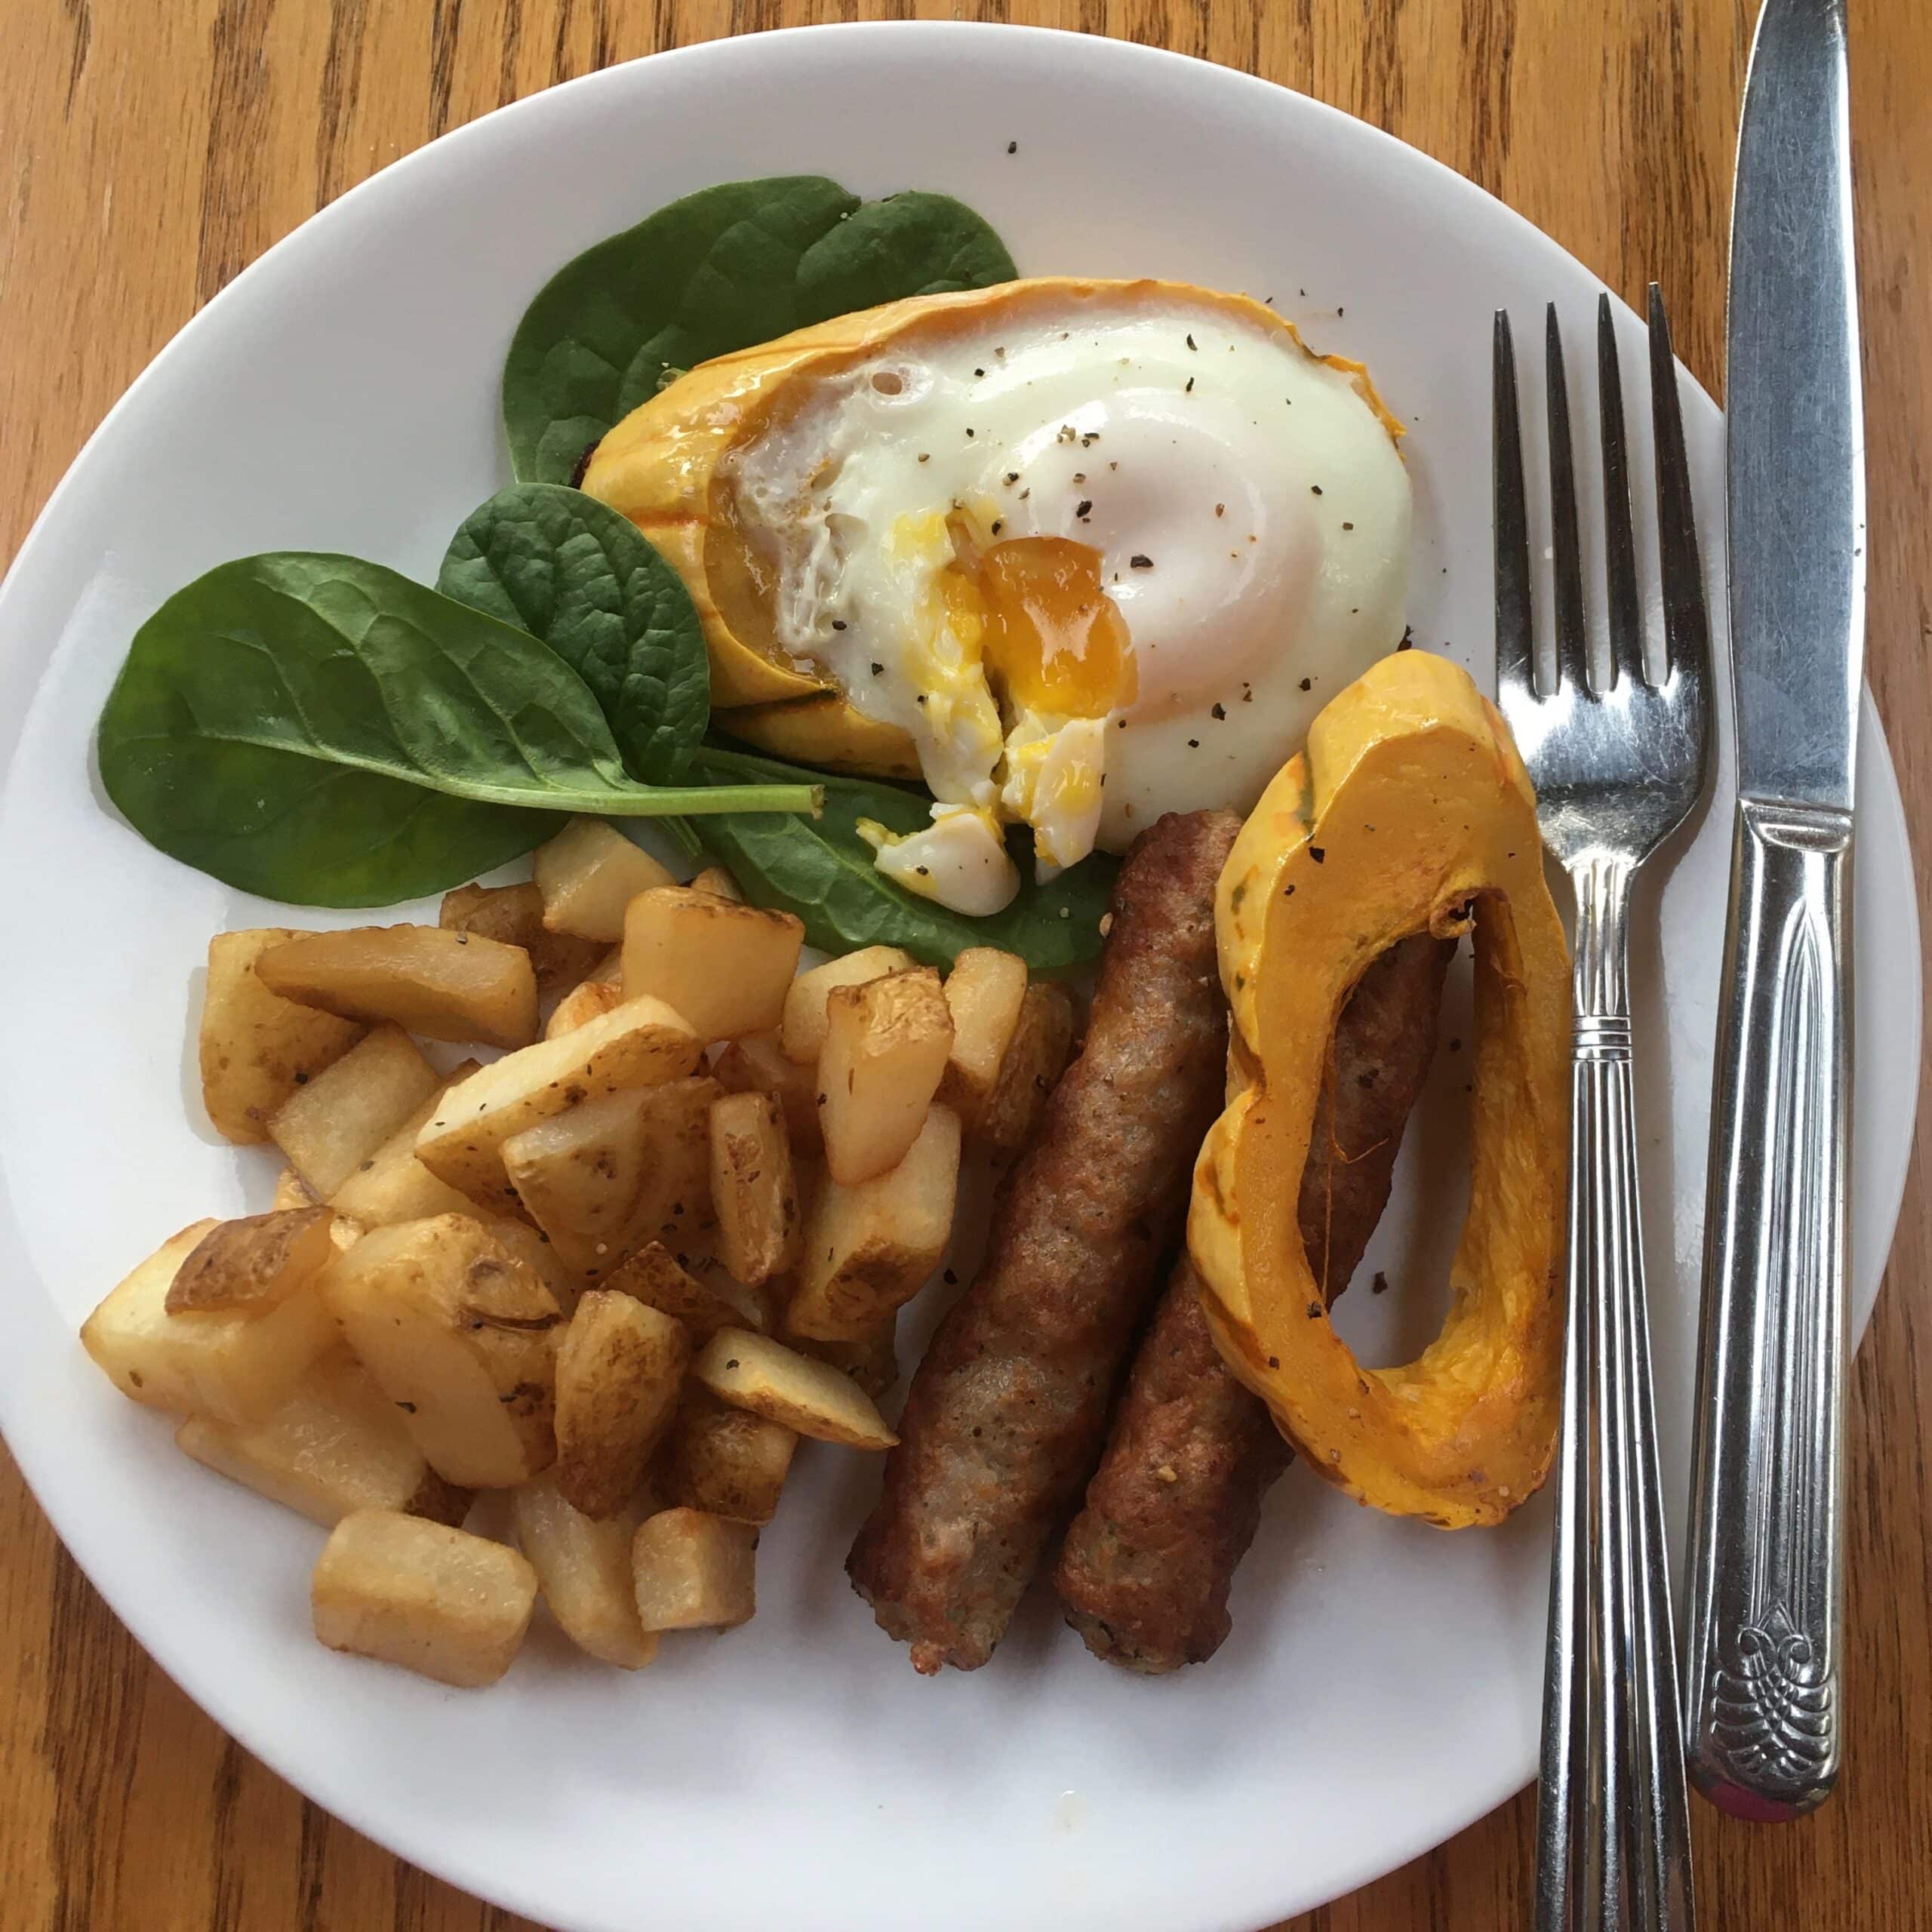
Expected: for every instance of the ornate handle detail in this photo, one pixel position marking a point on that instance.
(1766, 1496)
(1613, 1835)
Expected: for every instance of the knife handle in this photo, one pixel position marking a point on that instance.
(1768, 1483)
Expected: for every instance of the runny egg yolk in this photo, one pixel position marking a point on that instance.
(1049, 636)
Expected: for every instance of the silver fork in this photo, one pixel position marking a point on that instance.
(1617, 766)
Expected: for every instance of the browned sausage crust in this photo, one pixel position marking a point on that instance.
(1145, 1571)
(1005, 1418)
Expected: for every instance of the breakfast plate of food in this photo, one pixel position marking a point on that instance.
(788, 760)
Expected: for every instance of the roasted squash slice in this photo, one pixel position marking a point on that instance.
(1410, 811)
(666, 467)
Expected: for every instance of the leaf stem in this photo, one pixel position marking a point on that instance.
(664, 802)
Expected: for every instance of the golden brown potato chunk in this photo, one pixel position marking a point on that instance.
(611, 1173)
(886, 1044)
(232, 1366)
(802, 1033)
(457, 1332)
(443, 985)
(514, 915)
(254, 1264)
(690, 1284)
(291, 1191)
(871, 1361)
(693, 1571)
(329, 1125)
(716, 881)
(642, 1044)
(391, 1185)
(1034, 1061)
(754, 1372)
(584, 1568)
(256, 1047)
(538, 1252)
(868, 1250)
(758, 1064)
(724, 966)
(753, 1190)
(619, 1366)
(435, 1600)
(984, 992)
(336, 1445)
(588, 874)
(581, 1004)
(725, 1460)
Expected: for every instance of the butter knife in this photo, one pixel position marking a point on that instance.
(1762, 1690)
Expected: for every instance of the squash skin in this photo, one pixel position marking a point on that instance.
(660, 467)
(1410, 807)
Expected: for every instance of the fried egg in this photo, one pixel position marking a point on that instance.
(1100, 558)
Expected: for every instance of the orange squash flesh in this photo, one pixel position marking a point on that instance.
(1410, 810)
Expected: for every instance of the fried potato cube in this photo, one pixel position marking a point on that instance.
(336, 1445)
(724, 966)
(868, 1250)
(716, 881)
(984, 992)
(584, 1568)
(758, 1064)
(725, 1460)
(754, 1372)
(583, 1004)
(391, 1185)
(1034, 1063)
(619, 1366)
(886, 1044)
(514, 914)
(641, 1043)
(436, 1601)
(693, 1571)
(232, 1366)
(251, 1265)
(334, 1121)
(607, 1176)
(801, 1032)
(871, 1360)
(538, 1252)
(753, 1189)
(456, 1332)
(691, 1285)
(256, 1047)
(291, 1191)
(445, 985)
(588, 874)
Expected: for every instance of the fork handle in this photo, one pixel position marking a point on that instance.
(1613, 1832)
(1767, 1482)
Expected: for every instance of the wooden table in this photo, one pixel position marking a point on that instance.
(153, 148)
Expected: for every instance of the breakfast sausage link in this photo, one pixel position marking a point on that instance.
(1145, 1571)
(1006, 1417)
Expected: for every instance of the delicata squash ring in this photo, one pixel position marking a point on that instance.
(1410, 811)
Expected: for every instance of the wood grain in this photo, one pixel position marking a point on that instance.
(148, 151)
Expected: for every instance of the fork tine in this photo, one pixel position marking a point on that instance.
(1573, 638)
(1686, 627)
(1626, 622)
(1516, 640)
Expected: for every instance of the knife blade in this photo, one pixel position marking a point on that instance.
(1767, 1501)
(1795, 480)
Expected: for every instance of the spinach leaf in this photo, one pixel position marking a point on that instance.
(573, 573)
(728, 267)
(319, 729)
(822, 870)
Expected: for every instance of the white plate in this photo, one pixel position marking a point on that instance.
(1380, 1688)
